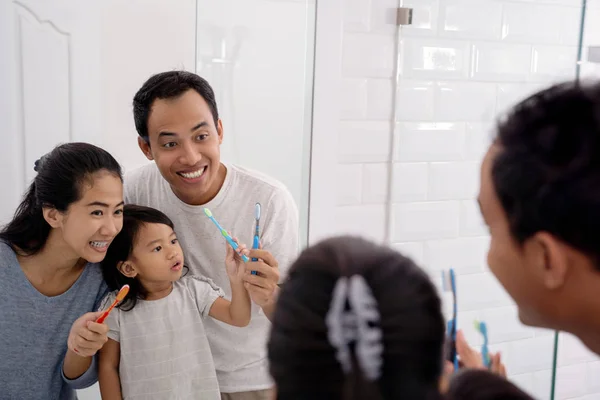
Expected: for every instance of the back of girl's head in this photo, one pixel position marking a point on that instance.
(483, 385)
(356, 320)
(121, 249)
(60, 181)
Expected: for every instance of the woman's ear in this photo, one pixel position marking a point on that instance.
(52, 216)
(127, 269)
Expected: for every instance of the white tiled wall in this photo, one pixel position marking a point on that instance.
(460, 64)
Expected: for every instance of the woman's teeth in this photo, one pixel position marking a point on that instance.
(195, 174)
(99, 244)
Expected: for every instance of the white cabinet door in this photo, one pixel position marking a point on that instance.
(49, 85)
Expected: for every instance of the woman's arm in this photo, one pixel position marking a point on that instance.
(108, 371)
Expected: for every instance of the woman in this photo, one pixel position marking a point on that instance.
(50, 282)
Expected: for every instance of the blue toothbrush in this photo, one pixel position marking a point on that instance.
(256, 241)
(449, 284)
(225, 234)
(481, 327)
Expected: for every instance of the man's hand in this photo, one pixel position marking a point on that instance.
(262, 287)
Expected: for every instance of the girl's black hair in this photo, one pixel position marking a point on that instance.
(134, 218)
(60, 177)
(302, 360)
(483, 385)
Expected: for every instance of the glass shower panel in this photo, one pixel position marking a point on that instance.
(258, 56)
(460, 65)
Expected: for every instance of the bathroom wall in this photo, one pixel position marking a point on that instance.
(460, 64)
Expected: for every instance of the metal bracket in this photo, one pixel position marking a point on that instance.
(404, 16)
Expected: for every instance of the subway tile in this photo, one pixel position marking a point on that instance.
(426, 141)
(571, 381)
(501, 62)
(572, 351)
(531, 355)
(466, 101)
(434, 59)
(552, 63)
(380, 99)
(510, 94)
(540, 23)
(410, 182)
(424, 220)
(479, 139)
(415, 100)
(375, 183)
(504, 325)
(523, 381)
(357, 15)
(474, 19)
(453, 180)
(368, 55)
(464, 254)
(593, 373)
(542, 381)
(364, 141)
(480, 291)
(363, 220)
(471, 221)
(348, 184)
(353, 95)
(412, 250)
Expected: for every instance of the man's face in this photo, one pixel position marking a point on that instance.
(185, 144)
(519, 268)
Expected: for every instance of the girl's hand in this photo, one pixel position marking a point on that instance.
(86, 336)
(236, 267)
(471, 358)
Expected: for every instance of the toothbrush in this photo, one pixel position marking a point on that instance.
(449, 284)
(256, 242)
(120, 296)
(233, 244)
(481, 327)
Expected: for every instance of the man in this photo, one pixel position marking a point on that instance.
(540, 198)
(179, 129)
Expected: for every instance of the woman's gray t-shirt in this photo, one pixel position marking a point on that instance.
(34, 329)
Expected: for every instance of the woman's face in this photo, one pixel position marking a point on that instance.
(91, 223)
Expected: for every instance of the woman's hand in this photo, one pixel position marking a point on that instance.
(471, 358)
(86, 336)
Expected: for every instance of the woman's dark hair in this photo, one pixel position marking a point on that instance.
(475, 384)
(169, 85)
(547, 171)
(303, 361)
(60, 179)
(134, 218)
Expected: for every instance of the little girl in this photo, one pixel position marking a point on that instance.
(157, 347)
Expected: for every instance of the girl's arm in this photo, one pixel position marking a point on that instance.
(108, 371)
(236, 312)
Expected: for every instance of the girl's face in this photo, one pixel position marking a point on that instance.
(90, 224)
(157, 256)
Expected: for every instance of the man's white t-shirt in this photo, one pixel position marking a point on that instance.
(239, 354)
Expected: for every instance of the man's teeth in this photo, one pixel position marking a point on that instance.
(99, 244)
(195, 174)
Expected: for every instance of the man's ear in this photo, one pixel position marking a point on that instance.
(551, 259)
(127, 269)
(144, 144)
(53, 217)
(220, 130)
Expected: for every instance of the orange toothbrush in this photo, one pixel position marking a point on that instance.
(120, 296)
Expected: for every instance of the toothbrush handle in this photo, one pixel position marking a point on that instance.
(255, 245)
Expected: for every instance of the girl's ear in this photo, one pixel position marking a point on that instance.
(127, 269)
